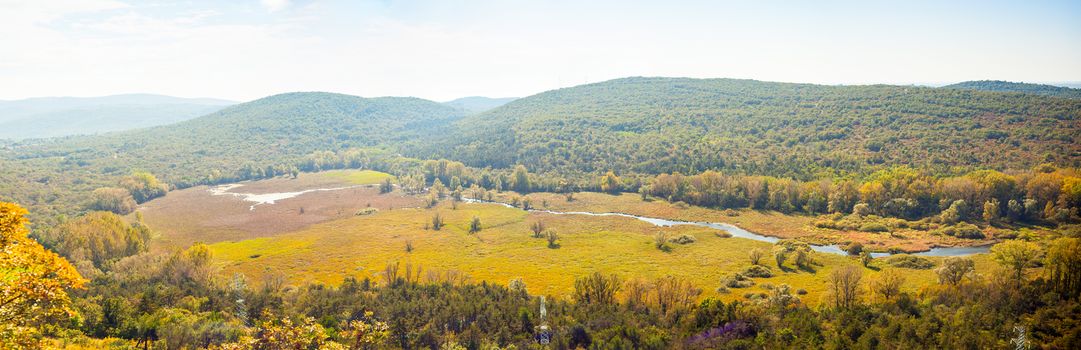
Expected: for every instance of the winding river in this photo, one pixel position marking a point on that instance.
(741, 233)
(270, 198)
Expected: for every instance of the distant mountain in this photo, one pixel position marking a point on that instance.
(63, 116)
(1005, 86)
(477, 104)
(652, 125)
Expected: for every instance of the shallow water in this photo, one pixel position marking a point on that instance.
(265, 198)
(741, 233)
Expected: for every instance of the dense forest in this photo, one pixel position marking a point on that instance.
(863, 158)
(665, 125)
(1005, 86)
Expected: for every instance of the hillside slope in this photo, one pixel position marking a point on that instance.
(277, 130)
(650, 125)
(62, 116)
(1005, 86)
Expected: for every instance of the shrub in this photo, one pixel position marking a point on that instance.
(757, 271)
(854, 248)
(874, 227)
(961, 230)
(803, 258)
(909, 262)
(756, 256)
(538, 229)
(660, 240)
(552, 238)
(437, 222)
(367, 211)
(736, 280)
(684, 239)
(474, 225)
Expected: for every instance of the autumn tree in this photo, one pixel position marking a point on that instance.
(610, 183)
(33, 282)
(1016, 255)
(521, 179)
(1063, 266)
(386, 186)
(116, 200)
(954, 270)
(888, 284)
(366, 333)
(101, 237)
(597, 289)
(843, 286)
(143, 186)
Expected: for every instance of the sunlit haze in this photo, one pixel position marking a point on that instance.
(242, 50)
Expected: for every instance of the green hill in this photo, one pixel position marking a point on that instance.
(651, 125)
(278, 130)
(1005, 86)
(632, 125)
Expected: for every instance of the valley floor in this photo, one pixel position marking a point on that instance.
(327, 235)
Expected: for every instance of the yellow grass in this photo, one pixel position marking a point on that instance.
(359, 177)
(361, 246)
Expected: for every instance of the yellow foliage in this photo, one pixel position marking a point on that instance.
(33, 281)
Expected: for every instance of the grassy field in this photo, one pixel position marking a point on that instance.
(195, 215)
(362, 246)
(327, 240)
(358, 177)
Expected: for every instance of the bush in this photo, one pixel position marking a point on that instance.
(367, 211)
(874, 227)
(757, 271)
(660, 240)
(736, 280)
(854, 248)
(961, 230)
(552, 237)
(909, 262)
(684, 239)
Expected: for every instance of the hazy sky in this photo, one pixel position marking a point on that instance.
(440, 50)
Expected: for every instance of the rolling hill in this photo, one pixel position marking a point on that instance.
(651, 125)
(631, 125)
(63, 116)
(279, 130)
(1005, 86)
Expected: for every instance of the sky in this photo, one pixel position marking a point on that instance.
(440, 50)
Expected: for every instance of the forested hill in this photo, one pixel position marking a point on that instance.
(652, 125)
(274, 130)
(1005, 86)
